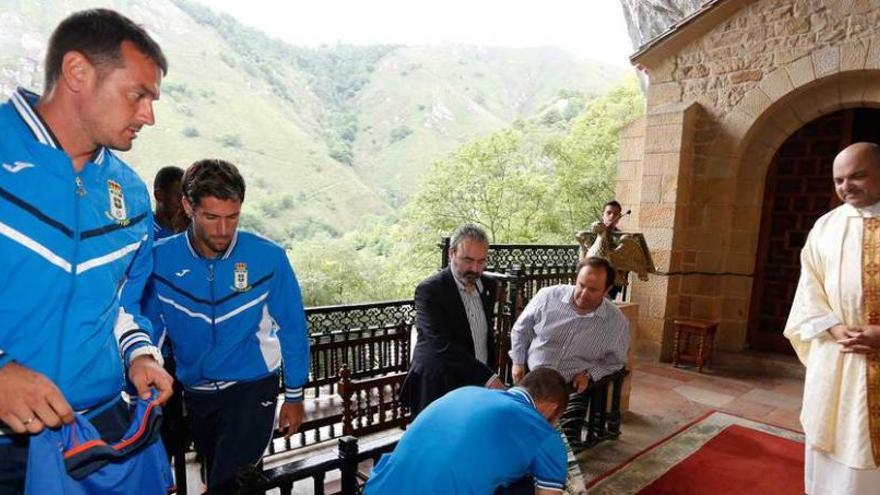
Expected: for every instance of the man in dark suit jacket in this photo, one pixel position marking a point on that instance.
(455, 346)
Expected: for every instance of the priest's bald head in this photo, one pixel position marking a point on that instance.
(857, 174)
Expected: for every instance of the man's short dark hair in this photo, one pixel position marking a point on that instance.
(468, 231)
(167, 176)
(613, 203)
(596, 262)
(546, 385)
(98, 34)
(212, 178)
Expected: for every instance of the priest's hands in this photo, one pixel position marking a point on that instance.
(862, 339)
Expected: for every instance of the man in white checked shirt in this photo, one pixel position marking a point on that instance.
(575, 330)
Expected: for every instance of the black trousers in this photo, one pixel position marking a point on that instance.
(231, 429)
(175, 430)
(111, 422)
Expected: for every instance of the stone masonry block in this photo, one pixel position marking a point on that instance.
(657, 215)
(666, 114)
(827, 98)
(852, 91)
(750, 193)
(826, 61)
(737, 123)
(636, 128)
(662, 93)
(662, 163)
(801, 71)
(663, 71)
(872, 60)
(734, 286)
(627, 191)
(755, 103)
(632, 149)
(872, 93)
(786, 120)
(809, 106)
(660, 238)
(663, 139)
(853, 55)
(650, 190)
(746, 75)
(668, 189)
(776, 84)
(627, 170)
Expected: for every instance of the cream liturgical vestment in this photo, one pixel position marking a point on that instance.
(835, 413)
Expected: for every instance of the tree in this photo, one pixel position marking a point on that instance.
(495, 182)
(586, 158)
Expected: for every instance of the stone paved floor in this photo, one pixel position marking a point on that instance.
(664, 399)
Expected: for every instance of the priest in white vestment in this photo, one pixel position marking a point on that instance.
(829, 328)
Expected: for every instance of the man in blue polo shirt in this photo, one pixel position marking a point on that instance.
(75, 238)
(474, 440)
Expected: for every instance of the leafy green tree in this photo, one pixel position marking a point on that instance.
(495, 182)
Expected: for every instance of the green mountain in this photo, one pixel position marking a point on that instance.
(325, 137)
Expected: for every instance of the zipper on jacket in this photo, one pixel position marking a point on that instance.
(80, 188)
(79, 192)
(213, 307)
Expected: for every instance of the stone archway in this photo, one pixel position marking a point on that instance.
(776, 123)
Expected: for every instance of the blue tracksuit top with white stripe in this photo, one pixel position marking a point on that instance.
(231, 318)
(75, 250)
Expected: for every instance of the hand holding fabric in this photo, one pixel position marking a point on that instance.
(29, 401)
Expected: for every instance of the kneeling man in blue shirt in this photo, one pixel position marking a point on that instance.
(474, 440)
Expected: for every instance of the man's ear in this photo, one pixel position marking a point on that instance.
(187, 207)
(77, 73)
(550, 411)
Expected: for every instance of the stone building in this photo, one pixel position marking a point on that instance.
(748, 101)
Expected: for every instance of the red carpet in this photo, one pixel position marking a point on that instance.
(738, 460)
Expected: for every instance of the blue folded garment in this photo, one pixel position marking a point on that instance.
(74, 460)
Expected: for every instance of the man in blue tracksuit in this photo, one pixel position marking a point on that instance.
(232, 309)
(75, 238)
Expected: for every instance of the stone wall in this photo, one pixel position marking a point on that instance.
(721, 67)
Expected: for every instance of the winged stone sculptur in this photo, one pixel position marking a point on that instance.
(627, 252)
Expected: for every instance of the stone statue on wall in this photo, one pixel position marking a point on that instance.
(627, 252)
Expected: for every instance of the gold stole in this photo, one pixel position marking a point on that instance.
(871, 307)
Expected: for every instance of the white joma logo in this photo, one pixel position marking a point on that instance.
(266, 403)
(17, 167)
(182, 272)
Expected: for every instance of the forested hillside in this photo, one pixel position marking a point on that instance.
(326, 136)
(358, 158)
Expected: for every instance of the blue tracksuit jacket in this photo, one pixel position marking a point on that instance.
(75, 254)
(232, 318)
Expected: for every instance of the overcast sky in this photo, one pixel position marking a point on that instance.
(590, 28)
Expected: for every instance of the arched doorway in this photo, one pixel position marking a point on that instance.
(798, 191)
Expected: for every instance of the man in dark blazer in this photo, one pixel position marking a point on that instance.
(455, 345)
